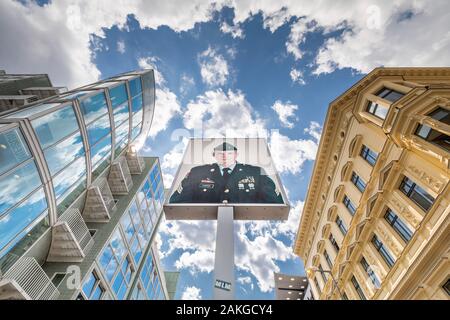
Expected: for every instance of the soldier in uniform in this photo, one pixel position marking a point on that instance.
(226, 181)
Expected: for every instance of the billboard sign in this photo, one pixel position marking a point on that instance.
(227, 172)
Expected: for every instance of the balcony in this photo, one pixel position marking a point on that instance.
(70, 238)
(26, 280)
(135, 163)
(119, 178)
(99, 202)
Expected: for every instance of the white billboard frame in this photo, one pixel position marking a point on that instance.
(242, 211)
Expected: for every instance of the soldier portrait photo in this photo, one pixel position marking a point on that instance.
(226, 181)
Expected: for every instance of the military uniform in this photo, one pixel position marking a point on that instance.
(244, 184)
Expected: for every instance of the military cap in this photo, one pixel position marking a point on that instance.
(225, 147)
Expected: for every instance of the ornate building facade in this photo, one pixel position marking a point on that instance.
(375, 224)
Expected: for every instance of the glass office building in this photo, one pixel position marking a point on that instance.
(79, 208)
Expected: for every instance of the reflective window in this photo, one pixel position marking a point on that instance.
(100, 151)
(27, 112)
(121, 114)
(13, 149)
(135, 132)
(22, 217)
(92, 288)
(17, 184)
(123, 279)
(93, 107)
(55, 126)
(118, 95)
(138, 294)
(136, 104)
(112, 255)
(64, 152)
(341, 225)
(98, 129)
(122, 132)
(137, 118)
(108, 262)
(369, 155)
(150, 279)
(69, 176)
(389, 94)
(358, 288)
(117, 245)
(135, 86)
(358, 182)
(377, 110)
(349, 205)
(372, 275)
(398, 225)
(383, 251)
(433, 136)
(418, 195)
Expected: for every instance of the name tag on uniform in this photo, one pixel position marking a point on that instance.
(206, 184)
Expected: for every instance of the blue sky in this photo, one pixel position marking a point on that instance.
(267, 68)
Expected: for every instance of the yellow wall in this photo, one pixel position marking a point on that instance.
(421, 265)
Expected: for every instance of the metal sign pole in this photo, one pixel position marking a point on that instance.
(224, 256)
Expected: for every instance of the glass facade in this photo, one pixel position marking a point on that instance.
(74, 135)
(151, 282)
(92, 288)
(22, 201)
(127, 247)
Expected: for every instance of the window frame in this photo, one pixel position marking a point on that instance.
(398, 225)
(383, 251)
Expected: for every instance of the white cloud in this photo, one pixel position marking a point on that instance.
(186, 84)
(172, 159)
(244, 280)
(220, 113)
(197, 261)
(314, 130)
(376, 35)
(235, 30)
(285, 112)
(167, 105)
(59, 33)
(259, 255)
(297, 36)
(121, 46)
(297, 76)
(290, 155)
(277, 19)
(191, 293)
(213, 67)
(290, 226)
